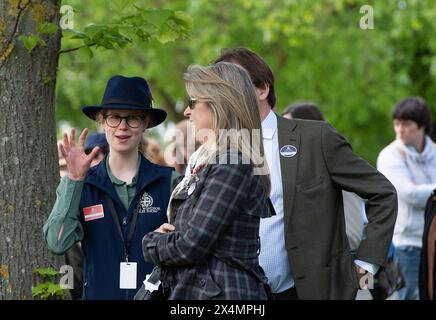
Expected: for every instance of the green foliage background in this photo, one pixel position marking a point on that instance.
(316, 49)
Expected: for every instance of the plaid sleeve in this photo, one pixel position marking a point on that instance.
(224, 191)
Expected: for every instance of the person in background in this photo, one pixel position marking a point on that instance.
(304, 248)
(111, 206)
(183, 145)
(409, 162)
(97, 139)
(303, 110)
(154, 152)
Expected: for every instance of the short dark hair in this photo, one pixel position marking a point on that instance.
(414, 109)
(256, 67)
(304, 110)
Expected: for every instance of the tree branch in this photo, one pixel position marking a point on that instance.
(168, 101)
(77, 48)
(9, 47)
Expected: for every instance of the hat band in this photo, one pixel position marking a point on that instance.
(122, 101)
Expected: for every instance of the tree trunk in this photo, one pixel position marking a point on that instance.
(29, 171)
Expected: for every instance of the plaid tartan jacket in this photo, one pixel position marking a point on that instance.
(213, 253)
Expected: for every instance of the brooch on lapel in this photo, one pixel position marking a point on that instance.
(192, 182)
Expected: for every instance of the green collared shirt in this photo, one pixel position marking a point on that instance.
(63, 228)
(126, 192)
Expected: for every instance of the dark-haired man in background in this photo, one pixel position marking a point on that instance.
(304, 248)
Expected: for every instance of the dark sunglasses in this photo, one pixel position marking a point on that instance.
(191, 103)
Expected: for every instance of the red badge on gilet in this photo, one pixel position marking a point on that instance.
(94, 212)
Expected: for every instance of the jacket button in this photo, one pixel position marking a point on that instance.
(202, 282)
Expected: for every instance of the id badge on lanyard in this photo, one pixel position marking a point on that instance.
(128, 270)
(128, 275)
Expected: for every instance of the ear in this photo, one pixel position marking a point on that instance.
(262, 93)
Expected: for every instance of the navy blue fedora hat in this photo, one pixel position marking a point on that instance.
(128, 94)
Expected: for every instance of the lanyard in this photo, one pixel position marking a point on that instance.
(117, 224)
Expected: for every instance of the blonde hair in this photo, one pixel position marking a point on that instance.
(228, 91)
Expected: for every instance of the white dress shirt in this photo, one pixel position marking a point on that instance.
(273, 257)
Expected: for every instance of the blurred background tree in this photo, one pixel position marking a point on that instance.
(316, 49)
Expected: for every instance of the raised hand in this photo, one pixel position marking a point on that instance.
(78, 162)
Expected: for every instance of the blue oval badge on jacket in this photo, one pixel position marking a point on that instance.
(288, 151)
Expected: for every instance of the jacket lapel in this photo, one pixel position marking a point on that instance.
(288, 165)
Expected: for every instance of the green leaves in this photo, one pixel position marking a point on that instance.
(316, 50)
(163, 25)
(106, 36)
(31, 41)
(183, 20)
(74, 34)
(46, 271)
(155, 16)
(47, 289)
(118, 5)
(47, 28)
